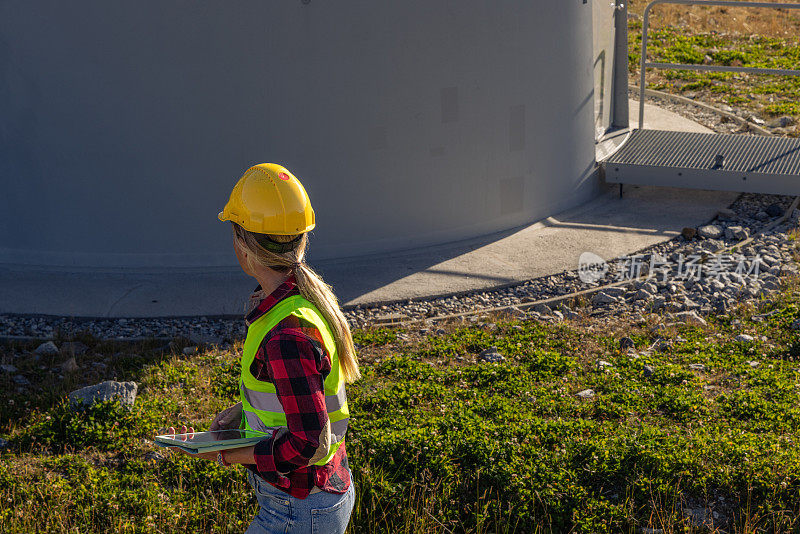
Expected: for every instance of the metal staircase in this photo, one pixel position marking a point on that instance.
(726, 162)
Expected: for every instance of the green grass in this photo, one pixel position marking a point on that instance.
(678, 45)
(440, 442)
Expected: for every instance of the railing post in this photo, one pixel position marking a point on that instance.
(645, 20)
(620, 103)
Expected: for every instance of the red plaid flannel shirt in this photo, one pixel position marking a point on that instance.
(292, 356)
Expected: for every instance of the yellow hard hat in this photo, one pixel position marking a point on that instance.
(268, 199)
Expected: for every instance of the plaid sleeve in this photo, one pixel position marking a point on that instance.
(291, 361)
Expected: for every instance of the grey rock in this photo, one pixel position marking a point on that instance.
(648, 371)
(125, 391)
(642, 295)
(774, 210)
(615, 291)
(20, 380)
(490, 355)
(661, 345)
(3, 443)
(189, 350)
(7, 368)
(726, 214)
(601, 297)
(781, 122)
(736, 232)
(70, 366)
(744, 338)
(762, 215)
(650, 287)
(586, 394)
(710, 231)
(690, 317)
(602, 365)
(753, 363)
(74, 348)
(720, 306)
(47, 349)
(543, 309)
(516, 312)
(626, 343)
(697, 367)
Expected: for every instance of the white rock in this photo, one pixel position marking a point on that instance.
(586, 394)
(602, 365)
(744, 337)
(7, 368)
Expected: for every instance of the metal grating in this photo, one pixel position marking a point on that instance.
(688, 159)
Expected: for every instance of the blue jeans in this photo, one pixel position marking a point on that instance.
(319, 513)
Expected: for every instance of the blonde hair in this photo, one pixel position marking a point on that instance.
(311, 287)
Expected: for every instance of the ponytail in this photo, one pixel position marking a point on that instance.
(311, 286)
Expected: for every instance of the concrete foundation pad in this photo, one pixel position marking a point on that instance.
(608, 225)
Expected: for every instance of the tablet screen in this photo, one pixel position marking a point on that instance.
(203, 439)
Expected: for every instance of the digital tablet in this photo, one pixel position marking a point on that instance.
(217, 440)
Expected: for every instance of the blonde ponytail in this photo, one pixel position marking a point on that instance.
(311, 286)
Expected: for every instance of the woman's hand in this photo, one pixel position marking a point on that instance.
(228, 418)
(190, 430)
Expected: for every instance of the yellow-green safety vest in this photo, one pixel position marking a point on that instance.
(261, 409)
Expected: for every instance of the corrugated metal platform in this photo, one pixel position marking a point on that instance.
(721, 162)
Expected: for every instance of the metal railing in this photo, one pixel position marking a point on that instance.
(682, 66)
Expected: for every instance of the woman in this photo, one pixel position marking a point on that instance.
(297, 357)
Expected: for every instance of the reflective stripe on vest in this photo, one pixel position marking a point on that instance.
(260, 405)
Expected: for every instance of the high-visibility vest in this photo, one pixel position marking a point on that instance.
(261, 409)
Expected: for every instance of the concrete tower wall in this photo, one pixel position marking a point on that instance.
(124, 125)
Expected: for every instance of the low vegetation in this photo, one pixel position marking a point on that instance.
(696, 433)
